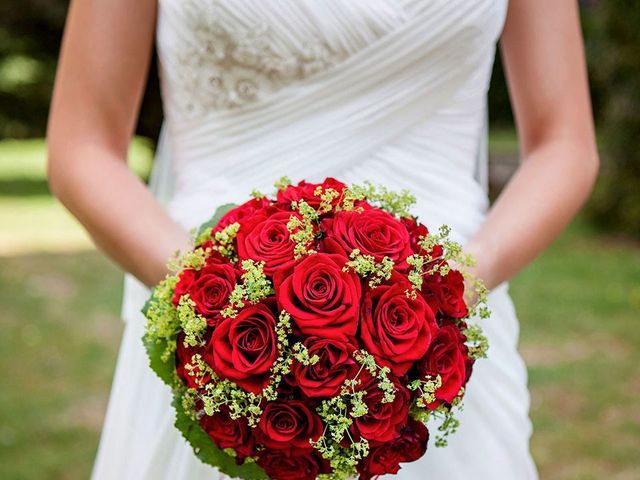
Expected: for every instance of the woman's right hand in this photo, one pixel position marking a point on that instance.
(101, 75)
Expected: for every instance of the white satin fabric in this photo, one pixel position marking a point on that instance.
(392, 91)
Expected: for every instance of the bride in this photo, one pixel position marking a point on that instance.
(393, 91)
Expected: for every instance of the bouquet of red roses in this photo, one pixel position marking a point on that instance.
(313, 335)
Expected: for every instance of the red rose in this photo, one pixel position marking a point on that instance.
(445, 294)
(265, 237)
(185, 280)
(468, 366)
(306, 191)
(226, 432)
(243, 348)
(323, 300)
(373, 232)
(448, 357)
(241, 212)
(184, 355)
(417, 232)
(289, 425)
(208, 287)
(385, 458)
(394, 328)
(325, 377)
(383, 421)
(284, 465)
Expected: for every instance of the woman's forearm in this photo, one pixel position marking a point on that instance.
(104, 60)
(544, 62)
(117, 210)
(542, 197)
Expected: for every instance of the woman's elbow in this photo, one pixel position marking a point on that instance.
(63, 176)
(591, 165)
(55, 169)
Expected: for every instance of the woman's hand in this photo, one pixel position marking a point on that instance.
(478, 273)
(101, 75)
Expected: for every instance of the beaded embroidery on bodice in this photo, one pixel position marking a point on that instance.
(230, 55)
(227, 66)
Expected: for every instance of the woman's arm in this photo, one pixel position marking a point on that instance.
(103, 65)
(544, 60)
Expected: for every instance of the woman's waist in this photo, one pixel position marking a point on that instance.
(437, 160)
(252, 155)
(459, 203)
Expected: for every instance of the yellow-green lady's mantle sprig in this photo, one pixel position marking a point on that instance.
(216, 394)
(194, 259)
(282, 365)
(366, 266)
(282, 183)
(254, 287)
(222, 240)
(303, 227)
(445, 413)
(193, 324)
(397, 204)
(163, 322)
(427, 388)
(339, 413)
(328, 197)
(427, 263)
(477, 342)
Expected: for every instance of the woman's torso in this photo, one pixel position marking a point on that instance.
(393, 91)
(388, 90)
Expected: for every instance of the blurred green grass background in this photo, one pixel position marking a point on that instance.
(578, 304)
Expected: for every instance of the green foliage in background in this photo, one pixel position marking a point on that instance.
(30, 33)
(614, 50)
(30, 36)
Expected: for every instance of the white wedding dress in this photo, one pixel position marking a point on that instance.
(393, 91)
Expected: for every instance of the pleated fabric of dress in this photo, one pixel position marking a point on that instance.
(391, 91)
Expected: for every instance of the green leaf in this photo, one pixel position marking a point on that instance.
(208, 452)
(147, 304)
(220, 211)
(156, 347)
